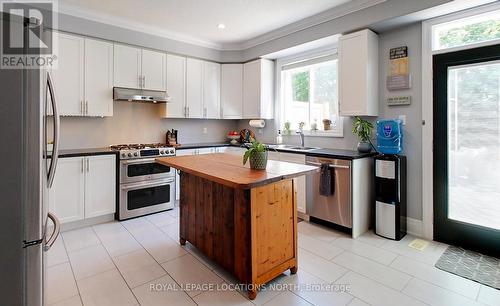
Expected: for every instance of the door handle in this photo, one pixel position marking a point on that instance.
(55, 232)
(57, 131)
(330, 165)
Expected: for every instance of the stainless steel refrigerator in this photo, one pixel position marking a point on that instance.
(27, 228)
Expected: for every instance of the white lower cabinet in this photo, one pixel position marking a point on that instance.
(84, 187)
(100, 187)
(67, 195)
(299, 181)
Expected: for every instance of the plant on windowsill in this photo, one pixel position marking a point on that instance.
(287, 130)
(363, 129)
(257, 154)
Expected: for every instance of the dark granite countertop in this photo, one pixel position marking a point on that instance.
(86, 152)
(329, 153)
(340, 154)
(203, 145)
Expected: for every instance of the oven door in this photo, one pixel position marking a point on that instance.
(142, 198)
(144, 169)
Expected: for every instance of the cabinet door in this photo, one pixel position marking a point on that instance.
(211, 90)
(98, 78)
(68, 75)
(232, 91)
(127, 66)
(66, 197)
(194, 86)
(358, 60)
(300, 181)
(176, 86)
(251, 90)
(100, 185)
(153, 70)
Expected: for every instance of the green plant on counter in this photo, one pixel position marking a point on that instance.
(257, 154)
(287, 129)
(363, 129)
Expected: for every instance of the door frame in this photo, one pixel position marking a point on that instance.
(447, 230)
(427, 106)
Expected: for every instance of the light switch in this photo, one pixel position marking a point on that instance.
(403, 119)
(205, 130)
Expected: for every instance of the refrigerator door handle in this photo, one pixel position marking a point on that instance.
(55, 232)
(57, 125)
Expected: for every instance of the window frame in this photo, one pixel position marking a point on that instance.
(329, 51)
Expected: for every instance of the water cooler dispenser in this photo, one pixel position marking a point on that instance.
(390, 181)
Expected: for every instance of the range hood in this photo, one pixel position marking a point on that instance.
(139, 95)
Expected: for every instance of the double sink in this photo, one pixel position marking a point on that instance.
(293, 148)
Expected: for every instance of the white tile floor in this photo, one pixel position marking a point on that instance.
(139, 262)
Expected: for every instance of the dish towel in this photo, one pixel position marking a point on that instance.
(326, 181)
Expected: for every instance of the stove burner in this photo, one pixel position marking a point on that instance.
(139, 146)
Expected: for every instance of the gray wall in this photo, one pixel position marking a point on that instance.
(137, 123)
(410, 36)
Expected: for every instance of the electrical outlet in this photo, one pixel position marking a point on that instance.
(260, 131)
(205, 130)
(403, 119)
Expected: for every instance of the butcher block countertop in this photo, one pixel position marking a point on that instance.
(228, 169)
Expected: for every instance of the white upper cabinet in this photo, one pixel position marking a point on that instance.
(68, 75)
(358, 74)
(211, 90)
(194, 88)
(127, 66)
(153, 70)
(139, 68)
(232, 91)
(258, 89)
(176, 87)
(98, 78)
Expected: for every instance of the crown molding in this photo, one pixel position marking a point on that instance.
(134, 26)
(333, 13)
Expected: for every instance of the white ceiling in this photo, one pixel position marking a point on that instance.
(196, 21)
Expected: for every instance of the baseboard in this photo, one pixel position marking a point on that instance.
(87, 222)
(414, 227)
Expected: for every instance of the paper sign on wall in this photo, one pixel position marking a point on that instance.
(399, 74)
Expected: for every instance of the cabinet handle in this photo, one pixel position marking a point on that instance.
(205, 112)
(188, 111)
(143, 81)
(86, 107)
(83, 164)
(87, 164)
(221, 112)
(82, 108)
(140, 81)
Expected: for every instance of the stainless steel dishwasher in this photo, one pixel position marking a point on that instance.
(336, 208)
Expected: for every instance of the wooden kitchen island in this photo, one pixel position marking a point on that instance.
(245, 220)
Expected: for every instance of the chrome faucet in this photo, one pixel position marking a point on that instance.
(301, 133)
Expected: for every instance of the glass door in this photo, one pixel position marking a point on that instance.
(467, 148)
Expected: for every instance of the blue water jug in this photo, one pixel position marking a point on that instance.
(390, 136)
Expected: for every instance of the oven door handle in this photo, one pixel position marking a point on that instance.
(138, 161)
(146, 184)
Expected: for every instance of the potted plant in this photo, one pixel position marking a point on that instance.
(287, 129)
(257, 154)
(363, 129)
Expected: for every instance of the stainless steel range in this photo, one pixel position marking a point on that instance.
(145, 186)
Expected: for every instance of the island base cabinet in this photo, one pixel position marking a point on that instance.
(252, 233)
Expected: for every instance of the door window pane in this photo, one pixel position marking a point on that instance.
(474, 144)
